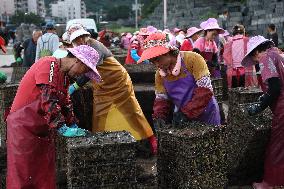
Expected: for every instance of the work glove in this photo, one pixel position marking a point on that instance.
(158, 123)
(72, 88)
(3, 77)
(74, 125)
(254, 109)
(179, 119)
(146, 62)
(72, 132)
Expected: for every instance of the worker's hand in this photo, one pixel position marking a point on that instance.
(74, 125)
(146, 62)
(72, 88)
(72, 132)
(254, 109)
(158, 123)
(179, 118)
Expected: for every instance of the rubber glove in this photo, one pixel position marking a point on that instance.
(3, 77)
(72, 88)
(254, 109)
(146, 62)
(74, 125)
(158, 123)
(179, 118)
(71, 132)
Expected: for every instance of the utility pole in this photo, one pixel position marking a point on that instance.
(136, 14)
(165, 14)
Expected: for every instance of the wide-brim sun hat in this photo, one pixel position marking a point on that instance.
(212, 24)
(128, 35)
(88, 56)
(155, 45)
(78, 33)
(66, 38)
(176, 30)
(253, 43)
(143, 31)
(151, 29)
(191, 31)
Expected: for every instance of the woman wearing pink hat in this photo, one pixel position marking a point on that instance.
(125, 40)
(262, 51)
(182, 79)
(115, 106)
(234, 52)
(136, 46)
(192, 35)
(208, 47)
(41, 107)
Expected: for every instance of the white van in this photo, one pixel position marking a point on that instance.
(88, 23)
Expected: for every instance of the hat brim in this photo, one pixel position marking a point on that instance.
(78, 33)
(94, 74)
(189, 36)
(152, 53)
(220, 30)
(247, 60)
(140, 33)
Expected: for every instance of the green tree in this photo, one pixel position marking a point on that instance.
(118, 12)
(149, 7)
(29, 18)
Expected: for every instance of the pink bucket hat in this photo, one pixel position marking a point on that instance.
(151, 29)
(211, 24)
(155, 45)
(252, 44)
(76, 30)
(128, 35)
(88, 56)
(191, 31)
(143, 31)
(176, 30)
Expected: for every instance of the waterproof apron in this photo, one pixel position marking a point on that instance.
(115, 105)
(274, 157)
(30, 150)
(207, 54)
(181, 91)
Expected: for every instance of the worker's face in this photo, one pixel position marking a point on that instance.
(257, 56)
(211, 34)
(77, 68)
(81, 40)
(164, 62)
(36, 35)
(196, 36)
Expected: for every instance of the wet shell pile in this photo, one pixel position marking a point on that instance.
(217, 84)
(82, 100)
(7, 95)
(18, 73)
(119, 54)
(192, 156)
(247, 138)
(105, 160)
(2, 167)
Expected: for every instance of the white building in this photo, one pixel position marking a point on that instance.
(7, 8)
(68, 9)
(27, 6)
